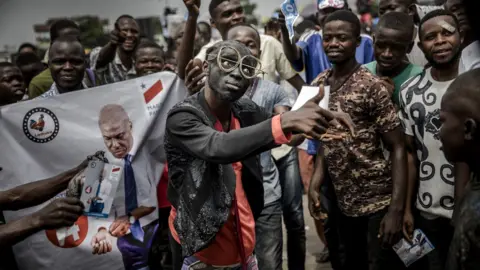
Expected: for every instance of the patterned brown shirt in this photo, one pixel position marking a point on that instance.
(357, 166)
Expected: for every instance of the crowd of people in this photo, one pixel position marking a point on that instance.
(395, 150)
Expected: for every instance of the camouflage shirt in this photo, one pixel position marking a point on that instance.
(357, 166)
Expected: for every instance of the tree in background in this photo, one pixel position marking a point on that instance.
(92, 31)
(249, 10)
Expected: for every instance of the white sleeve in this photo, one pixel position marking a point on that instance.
(403, 114)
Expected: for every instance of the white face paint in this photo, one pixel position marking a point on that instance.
(445, 25)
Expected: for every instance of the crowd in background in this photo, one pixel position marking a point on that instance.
(401, 75)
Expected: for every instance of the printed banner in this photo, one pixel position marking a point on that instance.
(125, 122)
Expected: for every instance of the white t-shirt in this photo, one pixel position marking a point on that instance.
(420, 100)
(470, 58)
(416, 56)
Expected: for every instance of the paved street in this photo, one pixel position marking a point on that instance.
(314, 246)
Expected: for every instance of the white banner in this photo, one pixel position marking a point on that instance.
(42, 138)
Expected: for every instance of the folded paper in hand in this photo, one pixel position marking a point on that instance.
(412, 252)
(307, 93)
(289, 9)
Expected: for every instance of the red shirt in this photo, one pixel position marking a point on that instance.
(224, 250)
(162, 189)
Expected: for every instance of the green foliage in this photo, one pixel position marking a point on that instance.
(92, 30)
(249, 9)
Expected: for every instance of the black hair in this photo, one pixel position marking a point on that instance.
(213, 5)
(272, 24)
(398, 21)
(28, 58)
(27, 45)
(6, 64)
(407, 3)
(346, 16)
(60, 25)
(146, 43)
(248, 26)
(124, 16)
(67, 39)
(216, 47)
(208, 28)
(437, 13)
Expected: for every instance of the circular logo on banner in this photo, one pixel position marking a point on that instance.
(40, 125)
(69, 237)
(289, 8)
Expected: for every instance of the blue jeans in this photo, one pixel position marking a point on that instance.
(292, 204)
(269, 239)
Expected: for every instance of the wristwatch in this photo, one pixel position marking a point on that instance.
(131, 219)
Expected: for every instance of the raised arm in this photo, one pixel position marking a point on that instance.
(102, 57)
(35, 193)
(292, 51)
(187, 44)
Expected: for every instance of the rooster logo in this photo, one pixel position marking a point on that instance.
(39, 124)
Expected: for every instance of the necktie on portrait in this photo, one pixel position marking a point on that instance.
(131, 197)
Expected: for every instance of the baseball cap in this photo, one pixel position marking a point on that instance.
(336, 4)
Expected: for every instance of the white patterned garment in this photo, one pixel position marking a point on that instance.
(53, 91)
(420, 99)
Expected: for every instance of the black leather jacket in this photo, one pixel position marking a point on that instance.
(201, 178)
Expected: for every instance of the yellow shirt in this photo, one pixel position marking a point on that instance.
(40, 84)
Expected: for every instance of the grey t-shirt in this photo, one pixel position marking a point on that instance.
(269, 95)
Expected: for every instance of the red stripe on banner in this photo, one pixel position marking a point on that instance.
(153, 91)
(116, 169)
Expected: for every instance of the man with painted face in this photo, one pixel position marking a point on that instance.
(415, 54)
(281, 178)
(392, 41)
(216, 185)
(114, 62)
(11, 77)
(67, 65)
(459, 135)
(431, 178)
(470, 58)
(227, 13)
(370, 189)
